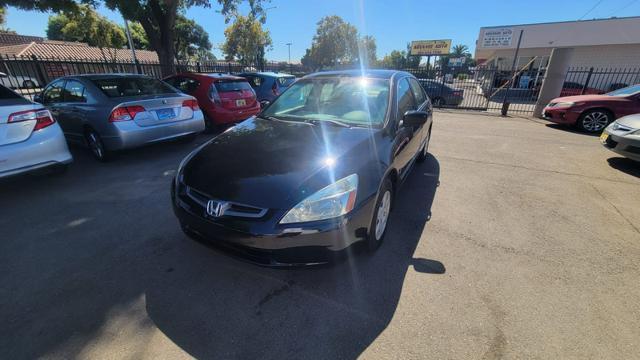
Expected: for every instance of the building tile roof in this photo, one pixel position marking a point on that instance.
(48, 49)
(7, 38)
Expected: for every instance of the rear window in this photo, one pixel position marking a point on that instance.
(286, 81)
(133, 86)
(6, 94)
(226, 86)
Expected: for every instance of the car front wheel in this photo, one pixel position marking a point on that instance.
(594, 121)
(380, 216)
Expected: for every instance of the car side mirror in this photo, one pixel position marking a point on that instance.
(38, 98)
(414, 118)
(264, 104)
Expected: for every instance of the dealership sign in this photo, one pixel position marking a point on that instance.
(496, 38)
(459, 61)
(430, 47)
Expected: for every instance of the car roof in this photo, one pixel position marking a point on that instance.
(370, 73)
(268, 73)
(104, 76)
(222, 76)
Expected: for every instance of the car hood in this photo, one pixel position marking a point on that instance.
(582, 98)
(275, 164)
(632, 121)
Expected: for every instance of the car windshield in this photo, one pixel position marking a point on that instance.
(626, 91)
(356, 101)
(286, 81)
(132, 86)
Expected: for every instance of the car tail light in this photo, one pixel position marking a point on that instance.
(125, 113)
(274, 88)
(191, 103)
(457, 93)
(42, 117)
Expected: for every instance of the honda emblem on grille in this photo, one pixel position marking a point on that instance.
(217, 209)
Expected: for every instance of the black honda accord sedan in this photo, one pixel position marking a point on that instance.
(311, 175)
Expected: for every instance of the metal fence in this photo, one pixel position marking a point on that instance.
(28, 75)
(584, 80)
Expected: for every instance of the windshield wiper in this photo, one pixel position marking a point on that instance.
(284, 119)
(334, 122)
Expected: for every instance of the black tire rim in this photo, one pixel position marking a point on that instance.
(437, 102)
(95, 145)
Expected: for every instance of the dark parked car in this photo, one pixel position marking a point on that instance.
(442, 94)
(223, 98)
(592, 113)
(313, 174)
(268, 85)
(109, 112)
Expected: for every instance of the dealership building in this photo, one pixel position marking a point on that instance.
(600, 43)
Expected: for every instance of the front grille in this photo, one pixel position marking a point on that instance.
(633, 149)
(228, 209)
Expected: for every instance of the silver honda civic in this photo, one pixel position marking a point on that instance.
(109, 112)
(30, 139)
(623, 137)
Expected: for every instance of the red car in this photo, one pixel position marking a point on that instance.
(592, 113)
(224, 99)
(573, 89)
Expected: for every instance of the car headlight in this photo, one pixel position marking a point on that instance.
(564, 104)
(332, 201)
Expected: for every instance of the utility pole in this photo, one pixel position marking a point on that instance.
(133, 50)
(505, 103)
(289, 45)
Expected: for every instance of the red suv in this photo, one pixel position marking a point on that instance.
(223, 98)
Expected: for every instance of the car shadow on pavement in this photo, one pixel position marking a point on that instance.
(571, 129)
(625, 165)
(93, 263)
(214, 306)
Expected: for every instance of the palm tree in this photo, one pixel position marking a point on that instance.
(460, 50)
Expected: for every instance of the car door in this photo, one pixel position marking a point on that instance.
(403, 154)
(422, 104)
(73, 110)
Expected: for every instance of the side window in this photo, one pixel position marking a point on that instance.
(418, 93)
(254, 81)
(185, 84)
(74, 92)
(53, 93)
(406, 101)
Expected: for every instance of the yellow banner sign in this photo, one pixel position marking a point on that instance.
(430, 47)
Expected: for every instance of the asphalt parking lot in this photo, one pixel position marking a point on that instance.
(515, 239)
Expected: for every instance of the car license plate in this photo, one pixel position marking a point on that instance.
(603, 137)
(241, 102)
(165, 114)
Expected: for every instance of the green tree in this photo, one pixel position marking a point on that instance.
(460, 51)
(3, 18)
(157, 17)
(335, 42)
(190, 39)
(84, 24)
(139, 36)
(397, 59)
(246, 41)
(367, 50)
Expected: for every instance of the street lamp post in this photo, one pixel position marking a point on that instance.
(289, 45)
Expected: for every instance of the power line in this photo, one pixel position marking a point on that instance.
(590, 10)
(623, 7)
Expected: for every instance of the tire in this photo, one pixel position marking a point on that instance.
(96, 146)
(379, 222)
(438, 102)
(209, 126)
(425, 148)
(594, 121)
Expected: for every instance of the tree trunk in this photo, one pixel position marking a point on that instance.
(159, 31)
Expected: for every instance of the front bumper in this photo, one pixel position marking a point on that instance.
(129, 135)
(44, 148)
(566, 116)
(617, 142)
(266, 242)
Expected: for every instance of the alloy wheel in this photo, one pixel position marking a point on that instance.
(595, 121)
(383, 214)
(95, 145)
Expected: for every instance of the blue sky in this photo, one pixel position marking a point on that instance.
(392, 23)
